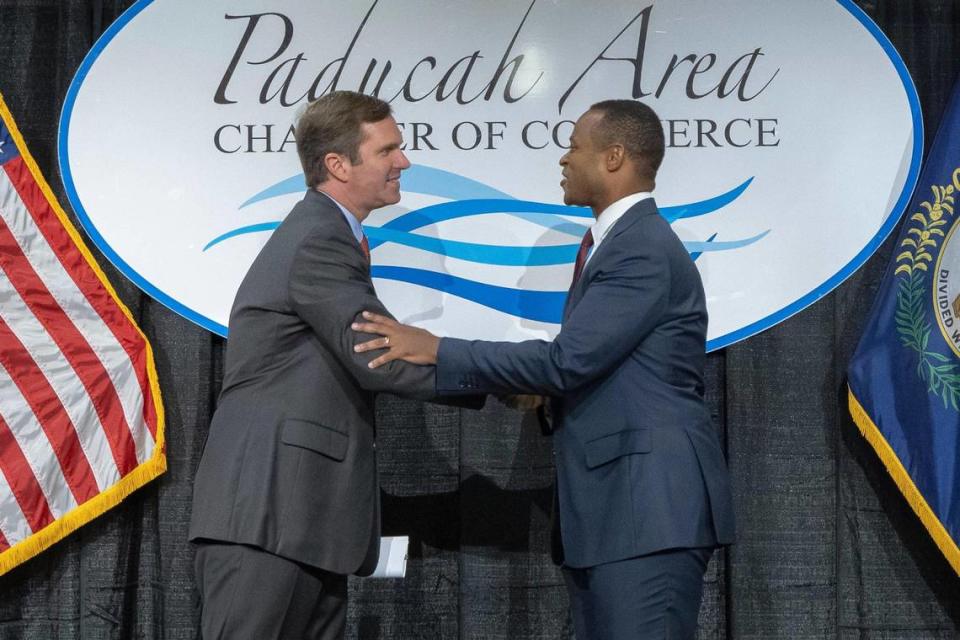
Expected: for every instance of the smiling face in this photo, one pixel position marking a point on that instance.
(374, 181)
(583, 165)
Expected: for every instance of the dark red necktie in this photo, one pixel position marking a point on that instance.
(365, 248)
(585, 245)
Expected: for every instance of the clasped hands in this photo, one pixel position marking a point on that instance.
(417, 346)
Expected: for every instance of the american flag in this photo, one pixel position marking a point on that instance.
(81, 422)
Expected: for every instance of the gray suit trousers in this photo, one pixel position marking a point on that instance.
(252, 594)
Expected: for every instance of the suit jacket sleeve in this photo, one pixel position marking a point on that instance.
(622, 304)
(329, 285)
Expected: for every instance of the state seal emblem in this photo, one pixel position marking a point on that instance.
(931, 248)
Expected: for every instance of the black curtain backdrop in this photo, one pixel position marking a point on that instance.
(827, 546)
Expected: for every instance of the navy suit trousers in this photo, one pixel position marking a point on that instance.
(651, 597)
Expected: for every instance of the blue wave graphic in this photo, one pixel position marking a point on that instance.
(696, 254)
(542, 213)
(672, 214)
(535, 212)
(474, 252)
(418, 178)
(542, 306)
(240, 231)
(696, 248)
(515, 256)
(471, 198)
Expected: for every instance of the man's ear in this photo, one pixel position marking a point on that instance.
(614, 157)
(337, 166)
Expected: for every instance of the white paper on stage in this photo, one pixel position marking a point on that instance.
(393, 557)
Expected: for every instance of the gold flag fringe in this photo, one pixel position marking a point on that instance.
(904, 482)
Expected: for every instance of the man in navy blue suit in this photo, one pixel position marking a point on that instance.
(643, 493)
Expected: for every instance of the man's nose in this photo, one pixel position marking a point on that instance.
(404, 161)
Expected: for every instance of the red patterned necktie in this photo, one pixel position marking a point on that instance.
(365, 248)
(585, 245)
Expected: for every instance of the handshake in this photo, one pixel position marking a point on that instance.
(527, 402)
(396, 341)
(522, 401)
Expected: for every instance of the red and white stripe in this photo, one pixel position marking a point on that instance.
(76, 407)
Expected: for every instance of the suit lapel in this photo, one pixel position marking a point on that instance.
(325, 207)
(633, 214)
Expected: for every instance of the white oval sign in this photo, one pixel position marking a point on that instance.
(793, 130)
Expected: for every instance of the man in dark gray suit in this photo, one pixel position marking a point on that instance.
(286, 498)
(643, 494)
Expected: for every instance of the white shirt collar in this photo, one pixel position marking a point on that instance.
(609, 216)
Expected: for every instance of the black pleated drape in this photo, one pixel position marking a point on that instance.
(827, 547)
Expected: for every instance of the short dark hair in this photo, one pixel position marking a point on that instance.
(635, 126)
(331, 124)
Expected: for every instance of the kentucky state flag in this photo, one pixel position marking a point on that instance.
(905, 375)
